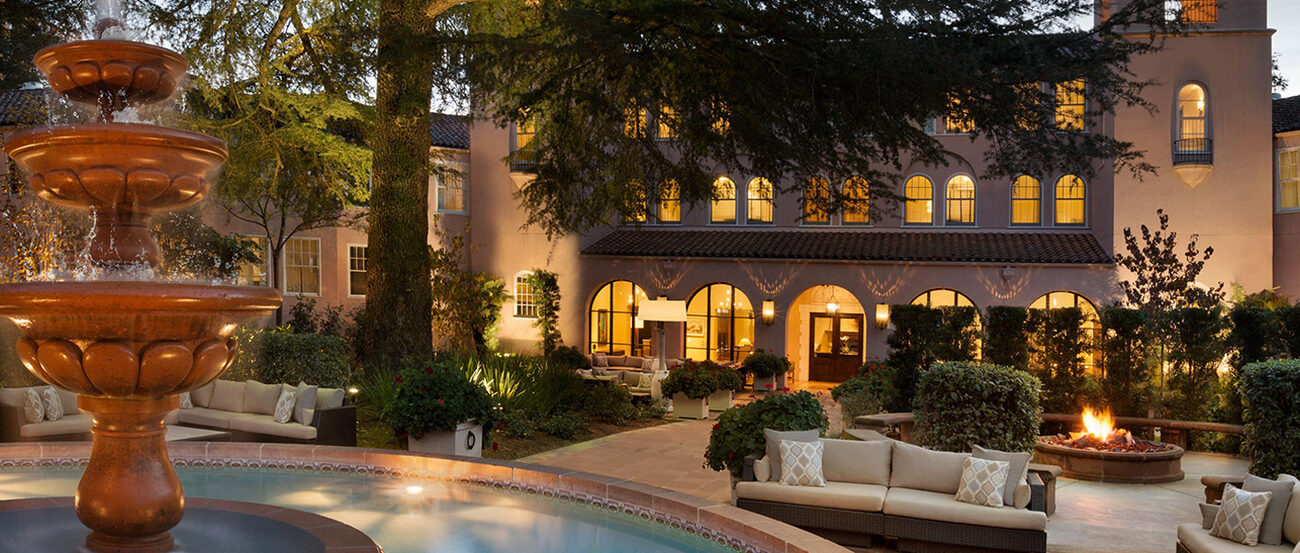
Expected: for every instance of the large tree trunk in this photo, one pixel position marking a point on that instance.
(399, 315)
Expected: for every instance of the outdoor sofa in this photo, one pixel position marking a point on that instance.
(886, 488)
(246, 410)
(74, 425)
(1196, 538)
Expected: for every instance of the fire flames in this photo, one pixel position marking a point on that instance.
(1100, 426)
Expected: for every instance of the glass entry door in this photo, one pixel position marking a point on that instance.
(836, 346)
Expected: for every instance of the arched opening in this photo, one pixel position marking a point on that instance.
(719, 324)
(761, 202)
(1071, 201)
(960, 207)
(613, 326)
(947, 297)
(826, 333)
(918, 196)
(1091, 325)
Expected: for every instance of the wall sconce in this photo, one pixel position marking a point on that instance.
(882, 316)
(769, 312)
(639, 323)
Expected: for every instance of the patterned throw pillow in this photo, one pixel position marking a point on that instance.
(646, 381)
(648, 364)
(53, 405)
(982, 481)
(801, 463)
(600, 361)
(284, 407)
(33, 409)
(186, 402)
(1241, 515)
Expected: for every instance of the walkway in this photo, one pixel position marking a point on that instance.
(1090, 517)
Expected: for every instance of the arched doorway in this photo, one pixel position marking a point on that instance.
(826, 333)
(613, 322)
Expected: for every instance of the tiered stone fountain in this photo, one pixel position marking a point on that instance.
(128, 346)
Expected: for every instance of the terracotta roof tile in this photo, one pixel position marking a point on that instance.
(449, 131)
(900, 246)
(22, 107)
(1286, 114)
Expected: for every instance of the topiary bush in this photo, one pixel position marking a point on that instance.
(911, 348)
(1270, 396)
(436, 397)
(289, 357)
(693, 379)
(739, 430)
(1195, 350)
(965, 404)
(761, 364)
(1057, 348)
(1006, 336)
(959, 336)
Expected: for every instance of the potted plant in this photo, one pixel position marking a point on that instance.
(439, 410)
(690, 386)
(768, 370)
(730, 381)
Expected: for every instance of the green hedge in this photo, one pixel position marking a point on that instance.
(964, 404)
(739, 430)
(1270, 394)
(319, 359)
(1127, 384)
(1006, 339)
(1057, 347)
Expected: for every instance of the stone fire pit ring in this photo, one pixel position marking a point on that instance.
(1109, 466)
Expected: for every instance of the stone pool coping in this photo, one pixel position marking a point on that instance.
(720, 522)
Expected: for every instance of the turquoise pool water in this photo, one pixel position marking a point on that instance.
(412, 516)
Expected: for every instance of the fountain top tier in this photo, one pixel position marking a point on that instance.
(112, 74)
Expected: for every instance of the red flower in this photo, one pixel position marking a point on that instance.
(398, 380)
(440, 401)
(428, 370)
(731, 454)
(768, 385)
(423, 389)
(494, 446)
(716, 426)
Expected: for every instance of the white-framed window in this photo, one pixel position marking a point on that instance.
(525, 296)
(918, 196)
(1193, 121)
(959, 196)
(857, 202)
(302, 266)
(761, 200)
(1288, 178)
(1070, 105)
(668, 210)
(815, 197)
(1071, 201)
(254, 273)
(723, 207)
(1026, 201)
(356, 270)
(450, 184)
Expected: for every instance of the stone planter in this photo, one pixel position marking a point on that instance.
(465, 441)
(721, 400)
(687, 408)
(777, 382)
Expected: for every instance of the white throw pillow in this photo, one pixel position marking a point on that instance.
(801, 463)
(1241, 515)
(186, 401)
(648, 364)
(53, 405)
(982, 481)
(762, 470)
(33, 409)
(304, 402)
(284, 407)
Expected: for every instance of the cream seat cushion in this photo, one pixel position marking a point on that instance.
(907, 502)
(202, 396)
(1199, 540)
(69, 400)
(328, 398)
(834, 495)
(923, 469)
(228, 396)
(259, 398)
(1291, 525)
(213, 418)
(265, 424)
(857, 462)
(68, 424)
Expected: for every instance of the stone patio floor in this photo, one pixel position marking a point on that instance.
(1090, 517)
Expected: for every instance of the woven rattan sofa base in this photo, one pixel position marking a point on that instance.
(842, 526)
(1180, 548)
(924, 536)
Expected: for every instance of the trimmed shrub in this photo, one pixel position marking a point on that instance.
(565, 425)
(1006, 336)
(959, 336)
(1289, 319)
(866, 394)
(1126, 387)
(1057, 348)
(1254, 335)
(739, 430)
(911, 348)
(1195, 350)
(437, 397)
(1270, 394)
(964, 404)
(517, 424)
(290, 357)
(569, 356)
(761, 364)
(610, 403)
(696, 380)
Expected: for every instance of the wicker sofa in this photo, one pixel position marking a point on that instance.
(1196, 538)
(886, 488)
(74, 425)
(245, 410)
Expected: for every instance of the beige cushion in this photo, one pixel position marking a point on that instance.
(1271, 532)
(263, 424)
(214, 418)
(186, 402)
(1199, 540)
(1241, 515)
(173, 417)
(762, 470)
(69, 424)
(983, 481)
(53, 404)
(202, 396)
(801, 463)
(1291, 525)
(858, 462)
(922, 469)
(69, 400)
(228, 396)
(867, 435)
(1022, 495)
(600, 360)
(907, 502)
(834, 495)
(304, 403)
(1017, 471)
(259, 398)
(328, 398)
(774, 438)
(1208, 513)
(33, 407)
(13, 397)
(633, 361)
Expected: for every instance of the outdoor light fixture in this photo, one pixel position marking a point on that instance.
(638, 323)
(414, 490)
(882, 316)
(769, 312)
(354, 390)
(660, 311)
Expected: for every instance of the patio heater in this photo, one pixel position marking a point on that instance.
(660, 311)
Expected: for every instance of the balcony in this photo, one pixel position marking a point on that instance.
(523, 160)
(1193, 159)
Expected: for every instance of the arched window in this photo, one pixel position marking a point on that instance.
(1091, 324)
(942, 297)
(761, 201)
(1071, 197)
(525, 296)
(1026, 201)
(857, 200)
(670, 203)
(1193, 121)
(723, 208)
(815, 197)
(919, 194)
(613, 320)
(960, 207)
(719, 324)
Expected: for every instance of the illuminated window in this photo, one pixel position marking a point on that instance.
(667, 120)
(525, 131)
(302, 266)
(1091, 324)
(635, 122)
(1031, 97)
(1193, 135)
(1288, 174)
(942, 297)
(670, 203)
(1070, 200)
(613, 327)
(723, 207)
(816, 195)
(450, 185)
(356, 270)
(253, 273)
(1070, 105)
(1026, 201)
(1193, 11)
(857, 201)
(761, 201)
(958, 119)
(919, 200)
(525, 296)
(960, 197)
(719, 324)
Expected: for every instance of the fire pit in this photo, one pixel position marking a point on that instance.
(1104, 453)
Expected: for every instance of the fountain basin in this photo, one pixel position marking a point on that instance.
(119, 73)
